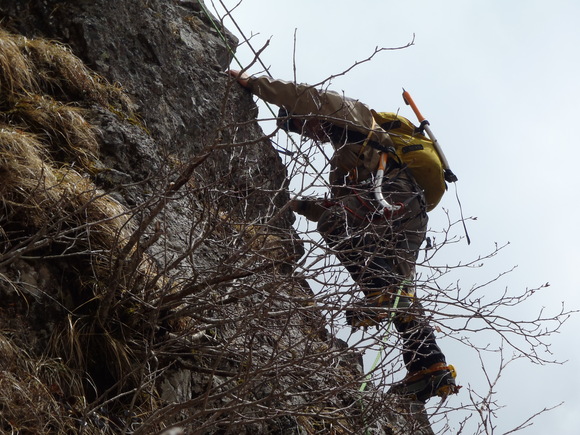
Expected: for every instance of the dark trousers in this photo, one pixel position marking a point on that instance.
(380, 253)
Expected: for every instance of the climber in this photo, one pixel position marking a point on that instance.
(377, 245)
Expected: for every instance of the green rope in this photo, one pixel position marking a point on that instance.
(219, 31)
(256, 54)
(384, 339)
(379, 356)
(233, 53)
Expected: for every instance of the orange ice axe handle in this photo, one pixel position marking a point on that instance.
(409, 101)
(449, 175)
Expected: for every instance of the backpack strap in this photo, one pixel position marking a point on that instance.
(377, 146)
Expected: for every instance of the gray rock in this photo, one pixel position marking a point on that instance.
(200, 323)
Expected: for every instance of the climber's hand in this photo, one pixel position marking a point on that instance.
(242, 77)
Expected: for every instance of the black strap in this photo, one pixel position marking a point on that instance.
(378, 146)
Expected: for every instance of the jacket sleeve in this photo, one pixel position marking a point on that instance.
(310, 208)
(301, 99)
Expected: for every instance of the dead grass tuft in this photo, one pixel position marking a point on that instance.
(68, 136)
(17, 72)
(46, 194)
(23, 162)
(49, 200)
(60, 72)
(36, 395)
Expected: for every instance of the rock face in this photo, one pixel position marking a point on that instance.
(147, 261)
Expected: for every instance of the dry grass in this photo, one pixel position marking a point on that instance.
(71, 137)
(23, 162)
(35, 189)
(48, 65)
(17, 72)
(47, 148)
(51, 206)
(32, 393)
(45, 135)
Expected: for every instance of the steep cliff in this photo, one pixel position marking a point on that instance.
(147, 259)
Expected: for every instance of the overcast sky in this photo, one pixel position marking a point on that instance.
(498, 81)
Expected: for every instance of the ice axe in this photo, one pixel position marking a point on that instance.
(448, 173)
(424, 125)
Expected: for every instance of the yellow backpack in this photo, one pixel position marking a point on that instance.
(419, 154)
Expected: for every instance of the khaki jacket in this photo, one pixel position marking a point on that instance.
(341, 111)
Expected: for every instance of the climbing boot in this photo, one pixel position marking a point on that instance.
(378, 307)
(375, 310)
(437, 380)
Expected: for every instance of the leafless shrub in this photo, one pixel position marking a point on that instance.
(144, 323)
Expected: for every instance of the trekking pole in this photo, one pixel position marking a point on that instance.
(449, 175)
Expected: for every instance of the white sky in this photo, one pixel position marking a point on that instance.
(499, 82)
